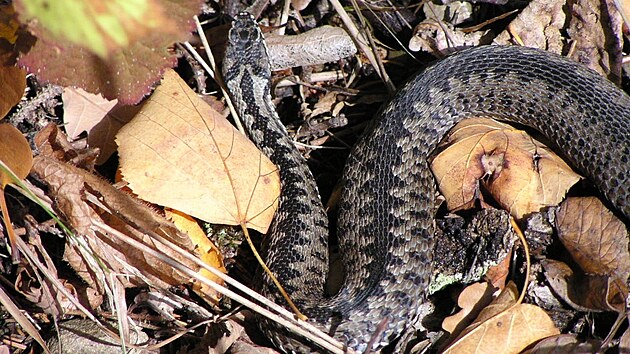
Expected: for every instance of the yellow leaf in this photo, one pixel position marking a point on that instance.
(180, 153)
(208, 252)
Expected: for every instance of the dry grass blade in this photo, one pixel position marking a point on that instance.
(259, 304)
(15, 312)
(266, 269)
(528, 260)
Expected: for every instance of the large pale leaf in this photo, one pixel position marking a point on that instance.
(180, 153)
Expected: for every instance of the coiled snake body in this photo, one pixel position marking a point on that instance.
(385, 221)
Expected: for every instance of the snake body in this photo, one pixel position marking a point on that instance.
(386, 222)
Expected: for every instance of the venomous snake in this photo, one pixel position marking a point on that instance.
(386, 222)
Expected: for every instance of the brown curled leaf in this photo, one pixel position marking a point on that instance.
(595, 237)
(521, 174)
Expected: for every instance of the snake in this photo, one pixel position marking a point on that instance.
(386, 211)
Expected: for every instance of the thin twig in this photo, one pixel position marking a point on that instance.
(361, 42)
(334, 75)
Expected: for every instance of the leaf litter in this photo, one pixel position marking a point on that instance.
(591, 277)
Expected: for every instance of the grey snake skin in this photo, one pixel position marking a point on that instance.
(386, 222)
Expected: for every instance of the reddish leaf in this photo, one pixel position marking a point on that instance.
(127, 75)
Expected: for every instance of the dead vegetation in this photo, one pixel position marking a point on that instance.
(110, 205)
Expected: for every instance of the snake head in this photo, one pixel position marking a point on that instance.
(246, 51)
(244, 33)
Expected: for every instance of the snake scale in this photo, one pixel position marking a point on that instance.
(386, 221)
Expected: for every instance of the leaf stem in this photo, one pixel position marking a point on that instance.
(297, 312)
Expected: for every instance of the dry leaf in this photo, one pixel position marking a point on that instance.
(470, 300)
(586, 292)
(440, 38)
(623, 6)
(506, 326)
(595, 237)
(83, 110)
(38, 289)
(51, 142)
(595, 29)
(9, 23)
(440, 34)
(300, 4)
(208, 252)
(99, 117)
(179, 153)
(598, 243)
(522, 175)
(564, 343)
(106, 219)
(219, 342)
(539, 25)
(67, 185)
(497, 275)
(13, 83)
(89, 203)
(15, 152)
